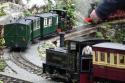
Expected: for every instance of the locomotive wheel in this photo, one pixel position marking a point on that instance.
(68, 80)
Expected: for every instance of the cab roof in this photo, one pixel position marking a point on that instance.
(60, 10)
(32, 18)
(85, 39)
(46, 15)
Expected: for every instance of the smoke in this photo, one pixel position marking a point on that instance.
(82, 8)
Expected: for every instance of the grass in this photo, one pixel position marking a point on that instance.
(1, 81)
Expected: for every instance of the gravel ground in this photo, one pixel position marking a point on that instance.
(23, 74)
(33, 56)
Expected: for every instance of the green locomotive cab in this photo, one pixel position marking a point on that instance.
(35, 27)
(48, 26)
(18, 34)
(62, 18)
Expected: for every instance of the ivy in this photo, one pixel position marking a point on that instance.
(1, 81)
(2, 13)
(113, 31)
(2, 65)
(69, 6)
(70, 11)
(27, 13)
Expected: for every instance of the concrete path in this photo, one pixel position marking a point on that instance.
(32, 55)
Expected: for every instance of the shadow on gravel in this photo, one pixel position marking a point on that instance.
(17, 49)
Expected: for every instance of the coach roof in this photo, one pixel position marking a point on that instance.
(110, 45)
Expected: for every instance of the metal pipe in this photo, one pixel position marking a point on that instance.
(62, 34)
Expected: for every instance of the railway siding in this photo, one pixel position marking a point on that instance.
(22, 62)
(78, 32)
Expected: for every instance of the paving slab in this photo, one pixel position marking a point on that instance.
(33, 56)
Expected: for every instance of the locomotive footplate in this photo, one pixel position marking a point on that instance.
(63, 74)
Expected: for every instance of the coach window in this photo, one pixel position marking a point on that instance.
(108, 57)
(115, 58)
(121, 59)
(38, 24)
(34, 24)
(45, 22)
(30, 29)
(50, 21)
(102, 56)
(96, 55)
(73, 46)
(57, 20)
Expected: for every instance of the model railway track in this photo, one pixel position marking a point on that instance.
(9, 79)
(22, 62)
(81, 31)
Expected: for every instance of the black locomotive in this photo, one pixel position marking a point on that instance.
(71, 63)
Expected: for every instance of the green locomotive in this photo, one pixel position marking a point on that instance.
(62, 18)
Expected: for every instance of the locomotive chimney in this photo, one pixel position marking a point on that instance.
(62, 34)
(92, 5)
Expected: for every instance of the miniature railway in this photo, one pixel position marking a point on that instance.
(22, 62)
(18, 59)
(9, 79)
